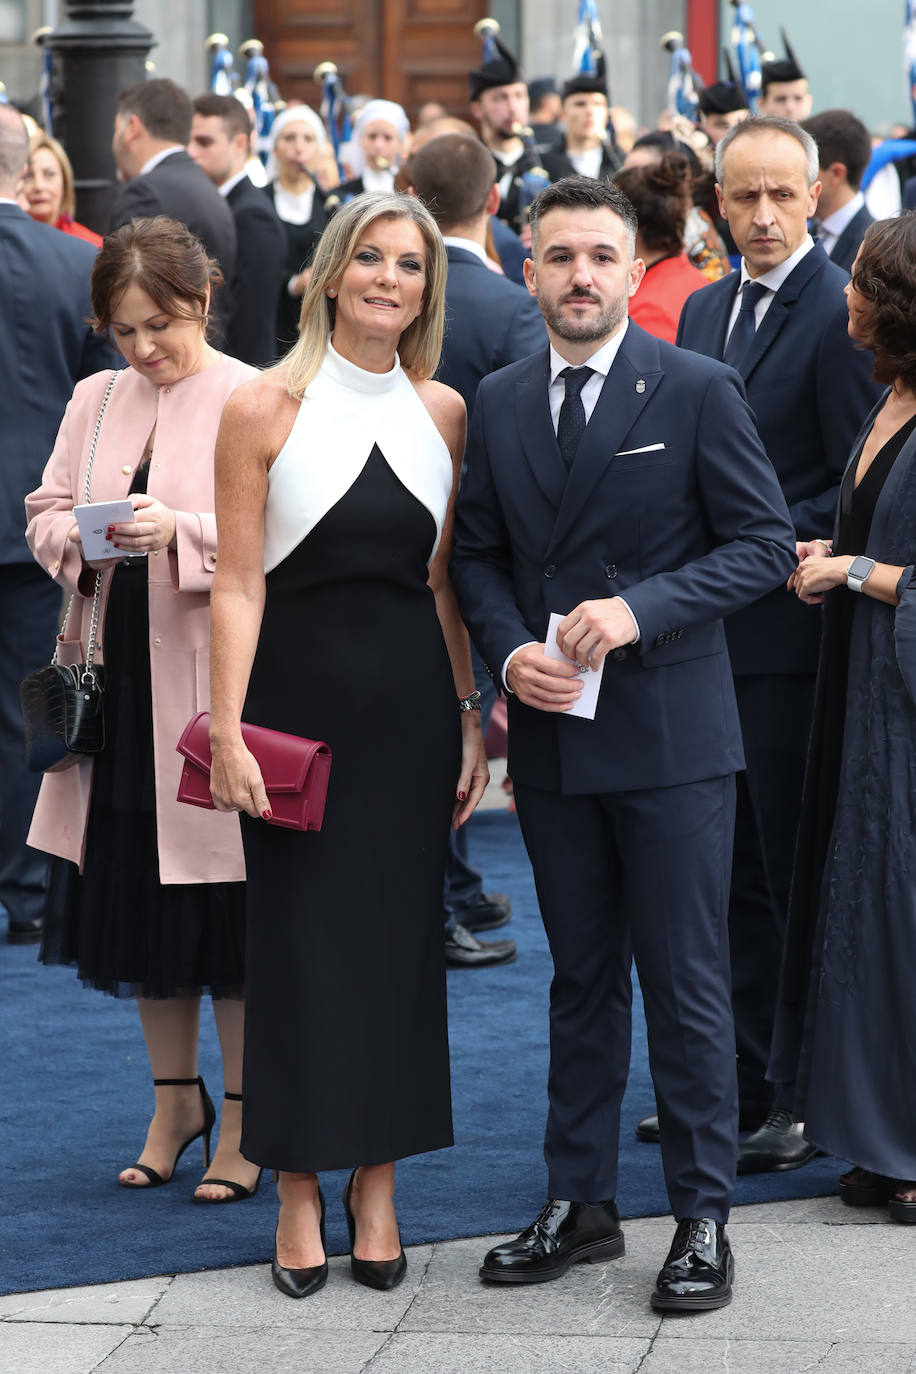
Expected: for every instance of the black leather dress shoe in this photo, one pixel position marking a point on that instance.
(562, 1233)
(464, 950)
(697, 1275)
(24, 932)
(751, 1117)
(780, 1144)
(489, 912)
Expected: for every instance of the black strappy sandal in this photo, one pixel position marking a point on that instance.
(239, 1192)
(156, 1180)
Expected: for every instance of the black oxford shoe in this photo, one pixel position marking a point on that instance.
(751, 1117)
(562, 1233)
(24, 932)
(464, 950)
(780, 1144)
(697, 1275)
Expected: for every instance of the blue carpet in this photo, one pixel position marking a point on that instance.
(75, 1095)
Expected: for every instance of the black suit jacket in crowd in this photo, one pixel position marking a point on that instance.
(810, 389)
(178, 188)
(259, 272)
(847, 245)
(489, 323)
(46, 347)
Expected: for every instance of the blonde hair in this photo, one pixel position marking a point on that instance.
(420, 344)
(68, 201)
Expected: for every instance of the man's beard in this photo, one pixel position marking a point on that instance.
(599, 326)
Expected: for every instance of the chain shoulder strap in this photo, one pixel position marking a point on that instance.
(97, 593)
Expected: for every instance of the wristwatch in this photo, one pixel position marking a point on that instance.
(858, 572)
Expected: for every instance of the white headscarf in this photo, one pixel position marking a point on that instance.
(293, 114)
(385, 110)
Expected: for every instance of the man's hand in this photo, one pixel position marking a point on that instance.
(542, 682)
(593, 629)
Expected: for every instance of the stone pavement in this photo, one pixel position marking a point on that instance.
(819, 1287)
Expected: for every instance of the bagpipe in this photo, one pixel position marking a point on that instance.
(335, 111)
(589, 61)
(224, 79)
(40, 39)
(683, 92)
(261, 95)
(749, 52)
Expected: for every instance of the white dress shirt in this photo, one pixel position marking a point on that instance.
(588, 162)
(833, 226)
(600, 362)
(155, 160)
(231, 182)
(772, 279)
(469, 246)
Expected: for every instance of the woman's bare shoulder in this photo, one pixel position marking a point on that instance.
(446, 408)
(259, 403)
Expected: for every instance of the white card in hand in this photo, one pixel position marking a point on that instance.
(591, 677)
(93, 524)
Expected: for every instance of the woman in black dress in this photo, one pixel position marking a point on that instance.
(333, 618)
(298, 138)
(846, 1025)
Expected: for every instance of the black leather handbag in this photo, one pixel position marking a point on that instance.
(63, 706)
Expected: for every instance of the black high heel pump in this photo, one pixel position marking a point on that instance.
(156, 1180)
(301, 1283)
(238, 1190)
(381, 1274)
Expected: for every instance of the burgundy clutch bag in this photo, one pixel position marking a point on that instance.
(295, 771)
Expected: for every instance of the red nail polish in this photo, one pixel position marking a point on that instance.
(266, 815)
(461, 796)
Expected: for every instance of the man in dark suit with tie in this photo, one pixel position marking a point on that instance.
(844, 150)
(220, 144)
(619, 483)
(46, 347)
(489, 323)
(152, 128)
(781, 322)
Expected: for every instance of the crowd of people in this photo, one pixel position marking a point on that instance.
(618, 425)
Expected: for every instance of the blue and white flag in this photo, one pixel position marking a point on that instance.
(748, 50)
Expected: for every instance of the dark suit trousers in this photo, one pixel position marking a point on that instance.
(641, 874)
(775, 712)
(30, 614)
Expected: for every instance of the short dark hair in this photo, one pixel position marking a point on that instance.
(452, 174)
(583, 193)
(163, 258)
(162, 107)
(841, 137)
(236, 119)
(661, 196)
(885, 275)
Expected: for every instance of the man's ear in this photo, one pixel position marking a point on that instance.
(531, 276)
(720, 199)
(493, 198)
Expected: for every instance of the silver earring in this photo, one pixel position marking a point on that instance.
(332, 293)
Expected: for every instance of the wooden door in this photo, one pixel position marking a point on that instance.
(404, 50)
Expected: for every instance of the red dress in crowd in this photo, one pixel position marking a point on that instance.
(68, 225)
(656, 307)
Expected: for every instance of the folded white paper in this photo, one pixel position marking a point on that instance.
(591, 677)
(93, 524)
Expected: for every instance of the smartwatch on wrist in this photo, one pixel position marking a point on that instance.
(858, 572)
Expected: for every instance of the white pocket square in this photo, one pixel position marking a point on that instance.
(647, 448)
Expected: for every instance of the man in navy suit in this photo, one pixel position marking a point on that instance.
(844, 150)
(152, 128)
(781, 321)
(489, 323)
(619, 482)
(221, 145)
(46, 346)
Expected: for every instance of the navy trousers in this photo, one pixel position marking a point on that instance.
(30, 612)
(642, 874)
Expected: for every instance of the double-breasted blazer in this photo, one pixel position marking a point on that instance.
(195, 846)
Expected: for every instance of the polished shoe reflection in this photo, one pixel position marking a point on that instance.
(562, 1233)
(780, 1144)
(301, 1283)
(697, 1275)
(380, 1274)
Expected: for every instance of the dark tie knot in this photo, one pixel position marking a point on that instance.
(752, 293)
(575, 379)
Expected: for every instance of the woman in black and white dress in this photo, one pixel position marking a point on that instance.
(333, 618)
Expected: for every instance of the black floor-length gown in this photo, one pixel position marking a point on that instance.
(346, 1051)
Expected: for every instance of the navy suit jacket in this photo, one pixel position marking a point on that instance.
(671, 503)
(810, 389)
(259, 272)
(489, 323)
(178, 188)
(847, 245)
(46, 347)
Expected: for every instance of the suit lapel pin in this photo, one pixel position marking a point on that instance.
(640, 387)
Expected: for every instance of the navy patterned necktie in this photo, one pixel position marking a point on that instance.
(571, 425)
(745, 326)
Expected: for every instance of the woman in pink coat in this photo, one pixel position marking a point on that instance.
(146, 897)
